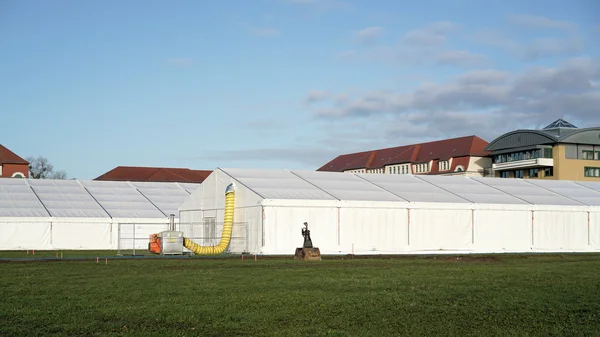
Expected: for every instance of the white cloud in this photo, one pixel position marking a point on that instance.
(431, 35)
(533, 49)
(423, 46)
(368, 35)
(545, 47)
(485, 76)
(483, 102)
(541, 22)
(317, 95)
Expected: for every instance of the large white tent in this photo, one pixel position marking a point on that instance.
(78, 214)
(399, 214)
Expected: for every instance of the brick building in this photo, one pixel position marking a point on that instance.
(11, 165)
(456, 156)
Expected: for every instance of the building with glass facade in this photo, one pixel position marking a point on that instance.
(560, 151)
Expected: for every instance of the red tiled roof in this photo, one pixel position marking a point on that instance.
(416, 153)
(156, 174)
(348, 162)
(462, 161)
(9, 157)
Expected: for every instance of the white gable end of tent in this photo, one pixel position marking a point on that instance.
(391, 214)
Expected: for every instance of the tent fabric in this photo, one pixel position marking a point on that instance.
(90, 198)
(167, 198)
(79, 214)
(398, 214)
(530, 192)
(66, 198)
(278, 184)
(346, 212)
(347, 187)
(311, 185)
(122, 200)
(17, 199)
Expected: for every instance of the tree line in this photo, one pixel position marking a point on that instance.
(41, 168)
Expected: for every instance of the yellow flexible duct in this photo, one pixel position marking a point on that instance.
(227, 225)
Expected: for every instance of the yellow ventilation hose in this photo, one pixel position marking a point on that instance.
(227, 225)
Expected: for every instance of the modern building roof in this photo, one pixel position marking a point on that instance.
(155, 174)
(559, 131)
(9, 157)
(408, 188)
(415, 153)
(560, 123)
(90, 199)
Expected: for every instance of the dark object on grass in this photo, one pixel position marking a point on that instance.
(307, 252)
(306, 235)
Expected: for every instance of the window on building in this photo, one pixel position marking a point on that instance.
(548, 172)
(505, 174)
(519, 174)
(533, 173)
(591, 172)
(588, 155)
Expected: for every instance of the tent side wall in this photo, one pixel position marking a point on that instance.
(429, 229)
(594, 228)
(25, 233)
(78, 233)
(373, 229)
(283, 228)
(502, 230)
(201, 215)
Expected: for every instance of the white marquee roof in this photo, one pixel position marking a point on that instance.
(90, 199)
(278, 184)
(316, 185)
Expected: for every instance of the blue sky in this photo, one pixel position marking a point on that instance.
(284, 83)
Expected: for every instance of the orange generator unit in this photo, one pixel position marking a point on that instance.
(154, 244)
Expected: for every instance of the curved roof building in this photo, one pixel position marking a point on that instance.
(559, 151)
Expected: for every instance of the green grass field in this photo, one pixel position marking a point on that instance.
(541, 295)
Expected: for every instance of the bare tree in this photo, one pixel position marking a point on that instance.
(59, 175)
(40, 168)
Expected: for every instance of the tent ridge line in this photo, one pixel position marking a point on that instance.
(501, 191)
(183, 188)
(589, 188)
(40, 200)
(145, 197)
(241, 183)
(331, 195)
(96, 200)
(381, 187)
(443, 189)
(555, 193)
